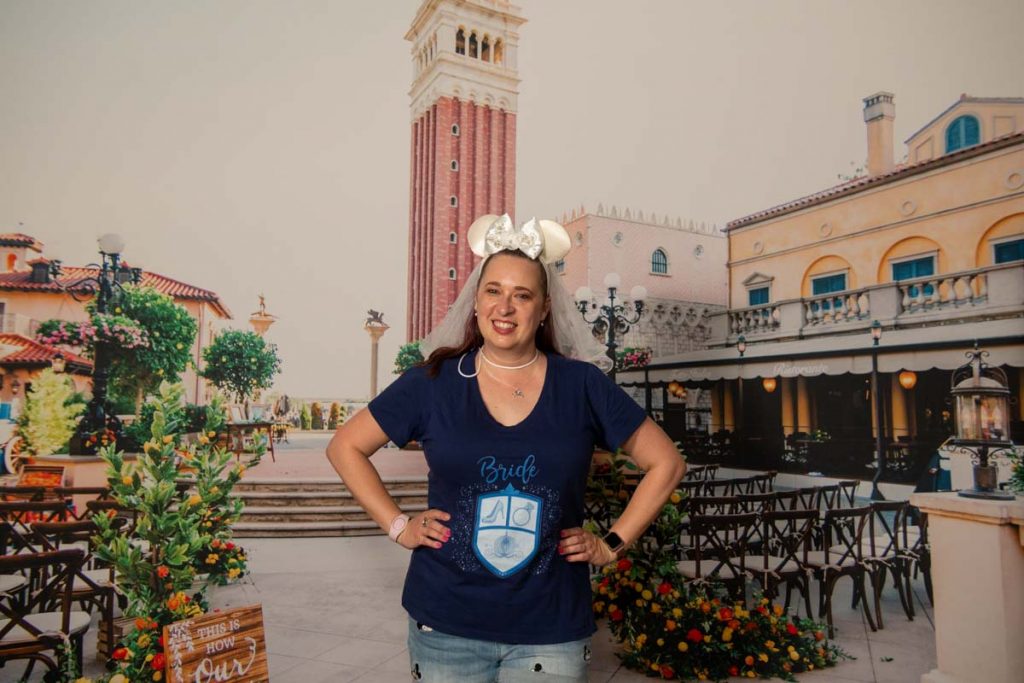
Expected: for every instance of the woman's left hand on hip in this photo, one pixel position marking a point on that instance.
(579, 545)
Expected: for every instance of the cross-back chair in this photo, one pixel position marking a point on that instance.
(783, 559)
(720, 550)
(886, 552)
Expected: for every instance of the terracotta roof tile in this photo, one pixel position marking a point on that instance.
(21, 281)
(859, 184)
(31, 352)
(17, 239)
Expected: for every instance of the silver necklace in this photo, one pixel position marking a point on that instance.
(536, 355)
(516, 391)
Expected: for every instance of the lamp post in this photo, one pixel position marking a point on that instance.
(981, 402)
(876, 336)
(611, 319)
(106, 287)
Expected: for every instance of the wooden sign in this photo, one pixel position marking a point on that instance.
(218, 647)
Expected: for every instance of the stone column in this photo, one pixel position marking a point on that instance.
(977, 550)
(376, 330)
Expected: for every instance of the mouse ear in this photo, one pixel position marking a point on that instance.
(477, 233)
(557, 242)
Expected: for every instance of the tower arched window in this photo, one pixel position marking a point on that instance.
(453, 237)
(485, 49)
(473, 45)
(453, 200)
(499, 51)
(451, 274)
(12, 262)
(460, 42)
(659, 262)
(455, 165)
(963, 132)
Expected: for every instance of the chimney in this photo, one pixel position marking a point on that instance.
(879, 113)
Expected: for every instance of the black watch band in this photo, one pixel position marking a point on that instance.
(614, 541)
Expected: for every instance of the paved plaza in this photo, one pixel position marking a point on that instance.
(332, 610)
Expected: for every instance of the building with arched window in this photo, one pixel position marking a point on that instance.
(933, 249)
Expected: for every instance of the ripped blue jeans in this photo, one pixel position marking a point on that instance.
(436, 657)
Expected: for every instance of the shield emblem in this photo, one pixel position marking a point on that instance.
(507, 530)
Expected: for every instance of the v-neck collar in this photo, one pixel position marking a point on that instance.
(540, 397)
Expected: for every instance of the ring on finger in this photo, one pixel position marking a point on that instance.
(423, 522)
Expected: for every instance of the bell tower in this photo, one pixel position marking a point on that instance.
(463, 156)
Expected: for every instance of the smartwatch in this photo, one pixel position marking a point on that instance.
(614, 542)
(398, 525)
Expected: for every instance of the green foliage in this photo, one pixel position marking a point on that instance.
(318, 416)
(49, 418)
(1016, 457)
(408, 356)
(171, 331)
(180, 520)
(332, 419)
(305, 420)
(240, 363)
(192, 419)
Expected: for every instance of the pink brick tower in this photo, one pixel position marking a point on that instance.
(463, 157)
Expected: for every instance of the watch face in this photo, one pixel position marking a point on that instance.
(613, 540)
(399, 523)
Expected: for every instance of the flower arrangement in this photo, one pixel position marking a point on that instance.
(103, 327)
(181, 525)
(101, 439)
(820, 435)
(671, 631)
(631, 357)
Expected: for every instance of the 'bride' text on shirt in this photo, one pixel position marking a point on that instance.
(493, 472)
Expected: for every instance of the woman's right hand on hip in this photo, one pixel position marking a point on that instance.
(426, 529)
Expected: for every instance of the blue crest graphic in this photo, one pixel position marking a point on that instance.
(507, 530)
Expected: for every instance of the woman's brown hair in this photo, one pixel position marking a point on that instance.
(471, 338)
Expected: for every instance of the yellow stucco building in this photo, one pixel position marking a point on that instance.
(932, 249)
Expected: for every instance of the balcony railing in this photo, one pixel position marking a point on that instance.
(937, 298)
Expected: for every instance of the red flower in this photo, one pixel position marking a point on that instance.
(158, 662)
(694, 636)
(160, 641)
(791, 629)
(624, 565)
(616, 615)
(604, 582)
(762, 609)
(119, 654)
(229, 545)
(667, 671)
(162, 571)
(725, 614)
(664, 588)
(734, 670)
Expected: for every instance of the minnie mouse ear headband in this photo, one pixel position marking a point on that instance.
(543, 240)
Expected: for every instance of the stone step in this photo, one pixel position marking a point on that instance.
(323, 484)
(318, 498)
(283, 529)
(319, 513)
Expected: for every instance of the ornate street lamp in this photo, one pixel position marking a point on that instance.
(741, 345)
(876, 336)
(612, 319)
(106, 287)
(981, 404)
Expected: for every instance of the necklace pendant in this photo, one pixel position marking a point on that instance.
(518, 393)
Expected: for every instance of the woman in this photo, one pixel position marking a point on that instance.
(498, 584)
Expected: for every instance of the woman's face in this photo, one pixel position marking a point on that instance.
(510, 303)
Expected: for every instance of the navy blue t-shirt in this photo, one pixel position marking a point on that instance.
(510, 491)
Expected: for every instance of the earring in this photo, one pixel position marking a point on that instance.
(542, 323)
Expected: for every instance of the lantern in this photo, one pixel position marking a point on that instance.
(769, 384)
(908, 379)
(981, 402)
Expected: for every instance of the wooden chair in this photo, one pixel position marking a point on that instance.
(848, 493)
(29, 634)
(719, 551)
(783, 559)
(917, 552)
(887, 540)
(842, 555)
(763, 483)
(19, 515)
(93, 584)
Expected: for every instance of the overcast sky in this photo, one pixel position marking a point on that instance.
(259, 146)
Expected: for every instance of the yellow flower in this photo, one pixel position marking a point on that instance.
(763, 657)
(751, 674)
(149, 657)
(656, 608)
(779, 610)
(769, 644)
(240, 470)
(677, 612)
(203, 440)
(639, 602)
(214, 489)
(661, 642)
(168, 439)
(83, 679)
(647, 595)
(211, 433)
(707, 639)
(194, 499)
(158, 675)
(126, 480)
(675, 498)
(794, 655)
(118, 678)
(726, 634)
(683, 647)
(212, 558)
(144, 640)
(233, 572)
